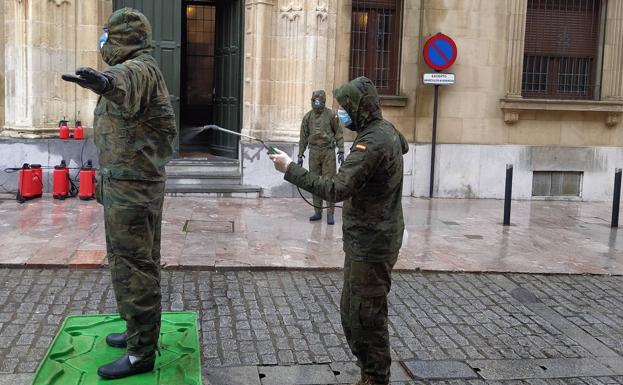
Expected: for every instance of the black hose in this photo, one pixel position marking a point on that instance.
(314, 206)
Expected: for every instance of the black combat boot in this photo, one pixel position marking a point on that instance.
(124, 368)
(330, 219)
(116, 340)
(316, 217)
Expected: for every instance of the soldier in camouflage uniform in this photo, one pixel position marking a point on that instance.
(134, 133)
(370, 184)
(322, 132)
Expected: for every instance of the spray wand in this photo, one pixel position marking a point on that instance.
(271, 150)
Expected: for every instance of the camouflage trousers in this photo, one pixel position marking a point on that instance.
(322, 162)
(363, 309)
(133, 216)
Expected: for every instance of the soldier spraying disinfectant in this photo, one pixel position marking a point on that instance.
(370, 184)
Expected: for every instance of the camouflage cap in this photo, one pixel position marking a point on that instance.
(360, 99)
(129, 35)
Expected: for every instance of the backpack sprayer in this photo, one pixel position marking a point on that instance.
(271, 150)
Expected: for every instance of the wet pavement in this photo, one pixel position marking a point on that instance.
(240, 234)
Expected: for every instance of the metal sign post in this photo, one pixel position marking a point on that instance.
(433, 143)
(439, 53)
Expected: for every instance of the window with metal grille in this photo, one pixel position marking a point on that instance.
(557, 183)
(375, 42)
(561, 49)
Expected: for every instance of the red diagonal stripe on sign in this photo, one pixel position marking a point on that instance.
(434, 45)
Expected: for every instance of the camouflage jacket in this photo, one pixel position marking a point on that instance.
(134, 120)
(369, 181)
(321, 129)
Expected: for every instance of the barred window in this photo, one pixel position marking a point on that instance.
(561, 49)
(375, 42)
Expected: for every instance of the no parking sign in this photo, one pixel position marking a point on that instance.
(440, 52)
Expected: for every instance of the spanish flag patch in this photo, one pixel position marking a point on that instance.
(360, 147)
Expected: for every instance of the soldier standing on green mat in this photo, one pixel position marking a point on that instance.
(134, 133)
(322, 133)
(370, 184)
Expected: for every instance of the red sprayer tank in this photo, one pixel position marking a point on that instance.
(30, 182)
(87, 182)
(60, 181)
(78, 131)
(63, 131)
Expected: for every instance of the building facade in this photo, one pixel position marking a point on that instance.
(539, 84)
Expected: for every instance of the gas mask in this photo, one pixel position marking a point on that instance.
(103, 38)
(344, 117)
(317, 105)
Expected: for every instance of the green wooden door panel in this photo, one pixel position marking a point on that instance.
(228, 79)
(166, 21)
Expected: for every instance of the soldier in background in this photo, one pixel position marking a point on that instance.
(322, 133)
(370, 184)
(134, 134)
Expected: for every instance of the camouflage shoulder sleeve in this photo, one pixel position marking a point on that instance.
(130, 86)
(360, 164)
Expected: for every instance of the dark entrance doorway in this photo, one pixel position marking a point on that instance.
(198, 91)
(198, 44)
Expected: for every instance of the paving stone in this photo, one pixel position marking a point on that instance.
(547, 368)
(349, 372)
(251, 318)
(247, 375)
(614, 363)
(435, 370)
(297, 375)
(16, 379)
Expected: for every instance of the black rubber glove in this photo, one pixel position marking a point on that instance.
(300, 161)
(340, 157)
(89, 78)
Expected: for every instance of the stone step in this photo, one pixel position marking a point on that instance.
(203, 180)
(214, 191)
(202, 167)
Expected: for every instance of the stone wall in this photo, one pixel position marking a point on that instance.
(478, 171)
(44, 39)
(489, 36)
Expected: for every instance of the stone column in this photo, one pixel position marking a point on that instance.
(515, 51)
(2, 104)
(613, 53)
(45, 39)
(343, 38)
(289, 52)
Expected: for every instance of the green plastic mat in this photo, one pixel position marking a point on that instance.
(80, 348)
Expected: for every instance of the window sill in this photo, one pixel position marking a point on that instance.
(393, 100)
(513, 106)
(567, 198)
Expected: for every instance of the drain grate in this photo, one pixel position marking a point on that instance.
(473, 236)
(199, 226)
(524, 295)
(450, 223)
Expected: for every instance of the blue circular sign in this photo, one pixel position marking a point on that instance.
(440, 52)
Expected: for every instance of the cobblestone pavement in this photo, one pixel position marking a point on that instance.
(259, 320)
(219, 234)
